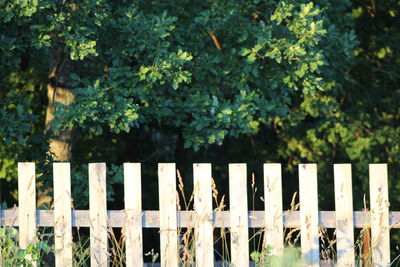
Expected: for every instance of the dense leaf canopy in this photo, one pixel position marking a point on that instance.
(211, 69)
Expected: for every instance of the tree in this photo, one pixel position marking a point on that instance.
(206, 69)
(213, 69)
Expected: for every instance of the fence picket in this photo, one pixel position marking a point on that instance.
(239, 215)
(380, 239)
(26, 203)
(168, 215)
(344, 215)
(98, 214)
(273, 207)
(309, 214)
(133, 208)
(203, 219)
(62, 214)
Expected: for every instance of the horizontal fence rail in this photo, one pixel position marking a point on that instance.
(219, 219)
(203, 218)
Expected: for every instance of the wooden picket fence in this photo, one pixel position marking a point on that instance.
(203, 218)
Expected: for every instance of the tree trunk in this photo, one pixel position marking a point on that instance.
(61, 143)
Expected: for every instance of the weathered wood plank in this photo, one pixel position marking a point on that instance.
(273, 207)
(132, 229)
(62, 214)
(309, 214)
(26, 203)
(344, 215)
(238, 210)
(98, 214)
(151, 218)
(380, 239)
(203, 218)
(168, 214)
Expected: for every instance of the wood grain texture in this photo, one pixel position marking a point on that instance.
(98, 214)
(62, 214)
(168, 215)
(380, 239)
(344, 215)
(239, 215)
(273, 208)
(132, 229)
(203, 215)
(151, 218)
(309, 214)
(26, 204)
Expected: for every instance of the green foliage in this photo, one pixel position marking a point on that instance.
(12, 255)
(81, 251)
(291, 257)
(14, 124)
(214, 70)
(176, 75)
